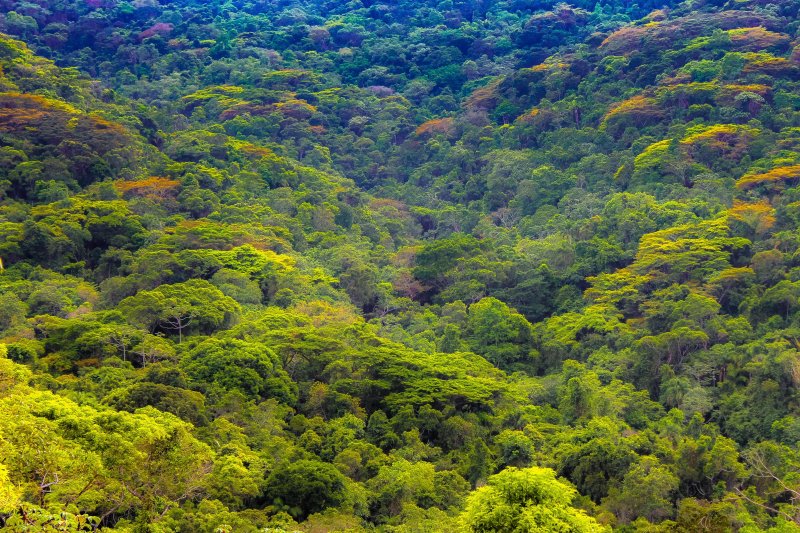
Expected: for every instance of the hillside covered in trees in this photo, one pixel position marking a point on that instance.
(409, 266)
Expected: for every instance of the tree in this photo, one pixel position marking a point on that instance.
(647, 491)
(194, 304)
(435, 261)
(98, 459)
(516, 448)
(10, 495)
(359, 281)
(400, 484)
(153, 349)
(776, 469)
(579, 395)
(12, 311)
(185, 404)
(525, 501)
(237, 477)
(305, 487)
(237, 365)
(110, 339)
(782, 297)
(379, 431)
(238, 286)
(597, 459)
(498, 333)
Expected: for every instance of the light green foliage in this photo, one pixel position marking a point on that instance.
(103, 460)
(9, 494)
(238, 286)
(525, 500)
(646, 491)
(498, 333)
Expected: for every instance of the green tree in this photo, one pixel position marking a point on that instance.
(647, 490)
(237, 365)
(306, 487)
(498, 333)
(12, 311)
(360, 283)
(191, 305)
(399, 484)
(525, 500)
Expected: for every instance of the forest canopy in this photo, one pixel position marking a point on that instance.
(496, 266)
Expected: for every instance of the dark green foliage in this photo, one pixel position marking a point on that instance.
(185, 404)
(305, 487)
(235, 365)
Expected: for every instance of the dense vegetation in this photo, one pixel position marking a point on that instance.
(481, 266)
